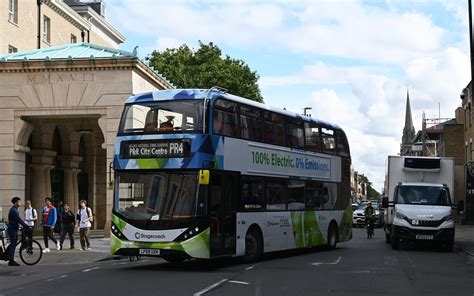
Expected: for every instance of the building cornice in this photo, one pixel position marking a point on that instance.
(68, 13)
(93, 17)
(133, 64)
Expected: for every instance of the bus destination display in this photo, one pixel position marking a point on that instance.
(156, 148)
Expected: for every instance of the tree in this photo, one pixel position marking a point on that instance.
(371, 192)
(205, 68)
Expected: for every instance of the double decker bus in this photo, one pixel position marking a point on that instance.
(204, 174)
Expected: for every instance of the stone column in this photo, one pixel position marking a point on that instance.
(42, 164)
(47, 180)
(38, 190)
(70, 164)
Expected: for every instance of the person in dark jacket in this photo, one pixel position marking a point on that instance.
(67, 221)
(14, 222)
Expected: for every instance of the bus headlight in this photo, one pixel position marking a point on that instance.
(117, 232)
(189, 233)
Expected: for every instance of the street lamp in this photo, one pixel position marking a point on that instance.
(304, 111)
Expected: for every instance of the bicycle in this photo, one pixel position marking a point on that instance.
(370, 228)
(30, 250)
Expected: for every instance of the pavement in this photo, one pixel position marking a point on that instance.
(100, 250)
(464, 240)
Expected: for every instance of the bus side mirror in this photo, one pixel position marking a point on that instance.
(460, 206)
(385, 202)
(204, 177)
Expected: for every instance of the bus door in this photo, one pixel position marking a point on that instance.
(222, 210)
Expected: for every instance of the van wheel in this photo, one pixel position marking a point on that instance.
(395, 242)
(332, 237)
(387, 238)
(448, 246)
(253, 245)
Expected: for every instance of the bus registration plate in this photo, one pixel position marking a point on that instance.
(149, 252)
(424, 237)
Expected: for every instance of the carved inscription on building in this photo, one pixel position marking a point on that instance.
(60, 77)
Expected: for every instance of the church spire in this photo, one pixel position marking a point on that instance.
(408, 130)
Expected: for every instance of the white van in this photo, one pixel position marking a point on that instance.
(419, 202)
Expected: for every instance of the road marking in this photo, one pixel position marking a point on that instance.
(239, 282)
(360, 271)
(57, 278)
(213, 286)
(388, 260)
(87, 270)
(329, 263)
(250, 267)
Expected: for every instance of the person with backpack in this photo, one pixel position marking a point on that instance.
(49, 221)
(84, 222)
(31, 215)
(67, 222)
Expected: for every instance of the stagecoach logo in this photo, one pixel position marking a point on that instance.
(147, 236)
(283, 222)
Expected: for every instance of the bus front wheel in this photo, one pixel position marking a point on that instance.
(253, 245)
(173, 258)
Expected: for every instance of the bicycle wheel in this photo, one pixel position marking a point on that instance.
(31, 255)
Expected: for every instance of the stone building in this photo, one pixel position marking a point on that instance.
(59, 113)
(464, 116)
(30, 24)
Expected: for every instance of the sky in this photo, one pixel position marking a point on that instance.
(350, 61)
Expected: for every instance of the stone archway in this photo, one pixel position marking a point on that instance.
(60, 156)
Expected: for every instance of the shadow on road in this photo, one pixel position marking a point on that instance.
(216, 265)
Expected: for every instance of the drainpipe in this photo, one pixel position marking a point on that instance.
(39, 2)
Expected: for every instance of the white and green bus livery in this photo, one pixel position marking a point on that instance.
(204, 174)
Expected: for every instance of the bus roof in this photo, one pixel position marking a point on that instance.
(195, 94)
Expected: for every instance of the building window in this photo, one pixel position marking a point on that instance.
(12, 49)
(469, 108)
(46, 29)
(73, 38)
(13, 11)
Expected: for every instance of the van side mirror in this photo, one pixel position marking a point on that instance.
(460, 206)
(385, 202)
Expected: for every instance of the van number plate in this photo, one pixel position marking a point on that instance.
(425, 237)
(149, 252)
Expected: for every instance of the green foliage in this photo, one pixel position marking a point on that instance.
(371, 192)
(205, 68)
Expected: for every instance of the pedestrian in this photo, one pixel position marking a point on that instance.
(49, 221)
(59, 210)
(31, 215)
(14, 222)
(84, 222)
(67, 222)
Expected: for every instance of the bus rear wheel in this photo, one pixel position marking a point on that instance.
(253, 245)
(332, 237)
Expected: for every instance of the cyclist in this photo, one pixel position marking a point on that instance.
(369, 219)
(14, 222)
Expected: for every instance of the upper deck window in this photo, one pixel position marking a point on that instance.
(329, 140)
(225, 118)
(181, 116)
